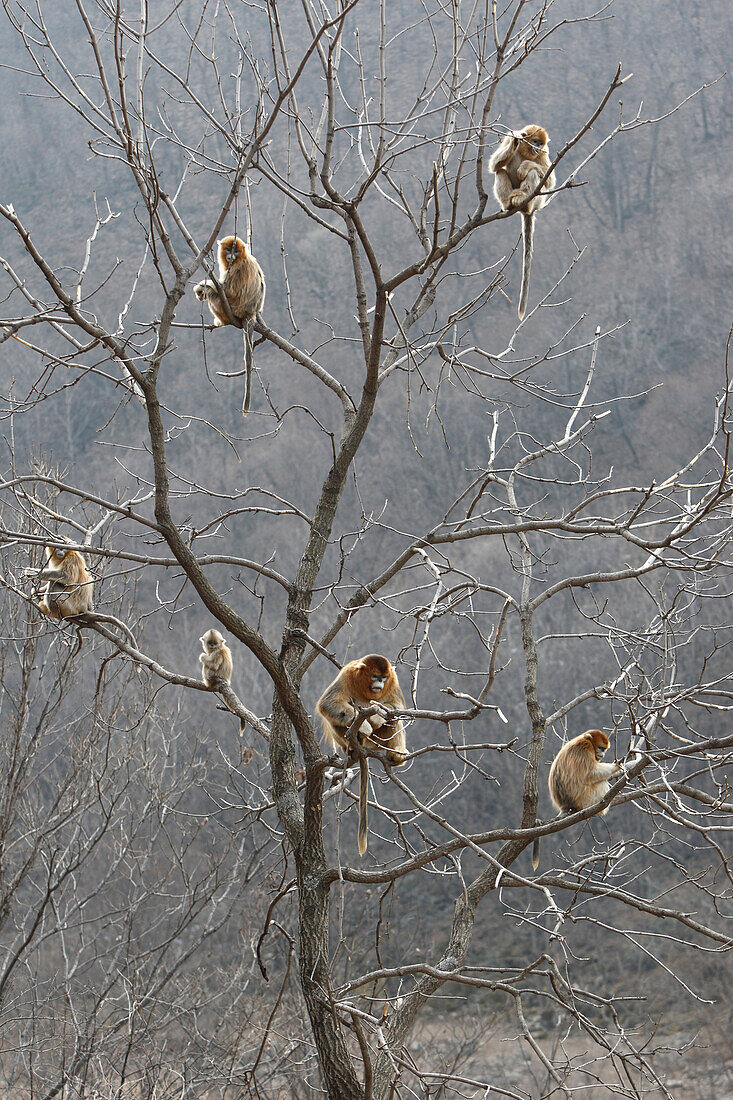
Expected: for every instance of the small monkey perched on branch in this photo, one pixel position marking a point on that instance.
(216, 659)
(577, 777)
(243, 284)
(359, 684)
(216, 672)
(518, 165)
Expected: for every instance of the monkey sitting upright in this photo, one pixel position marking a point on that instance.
(216, 659)
(68, 592)
(68, 589)
(577, 777)
(519, 164)
(243, 283)
(371, 679)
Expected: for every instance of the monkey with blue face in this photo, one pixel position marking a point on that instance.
(359, 685)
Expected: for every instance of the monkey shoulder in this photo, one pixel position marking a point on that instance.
(577, 754)
(501, 155)
(333, 707)
(398, 699)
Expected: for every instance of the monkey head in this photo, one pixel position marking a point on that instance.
(232, 249)
(531, 140)
(211, 640)
(56, 555)
(374, 674)
(598, 742)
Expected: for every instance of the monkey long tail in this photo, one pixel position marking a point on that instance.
(248, 359)
(363, 799)
(528, 240)
(536, 841)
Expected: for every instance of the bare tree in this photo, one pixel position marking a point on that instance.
(159, 895)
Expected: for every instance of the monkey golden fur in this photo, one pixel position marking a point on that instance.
(243, 283)
(577, 777)
(519, 164)
(359, 684)
(216, 659)
(68, 590)
(241, 277)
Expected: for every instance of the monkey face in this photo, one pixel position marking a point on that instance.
(234, 250)
(601, 743)
(56, 557)
(376, 672)
(533, 136)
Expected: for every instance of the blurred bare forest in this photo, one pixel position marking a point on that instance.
(153, 896)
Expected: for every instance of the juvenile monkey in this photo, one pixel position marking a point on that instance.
(359, 684)
(243, 283)
(68, 592)
(519, 164)
(216, 659)
(577, 778)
